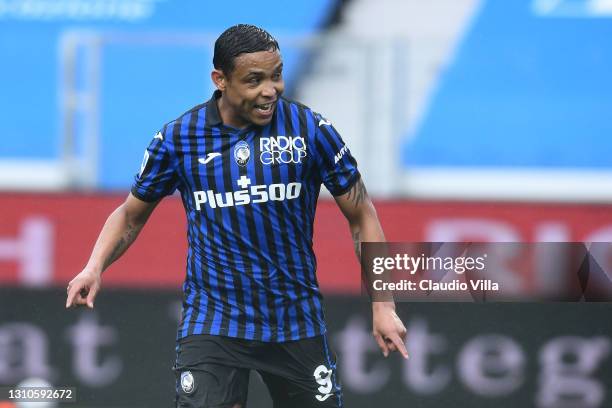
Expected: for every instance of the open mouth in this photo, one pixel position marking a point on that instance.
(265, 108)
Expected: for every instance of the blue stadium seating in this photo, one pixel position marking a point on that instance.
(524, 90)
(141, 87)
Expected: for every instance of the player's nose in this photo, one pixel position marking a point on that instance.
(269, 91)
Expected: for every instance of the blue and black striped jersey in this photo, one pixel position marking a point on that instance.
(250, 197)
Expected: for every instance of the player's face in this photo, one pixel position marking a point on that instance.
(251, 91)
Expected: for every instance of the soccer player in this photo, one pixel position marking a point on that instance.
(249, 165)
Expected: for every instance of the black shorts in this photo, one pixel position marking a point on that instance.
(213, 371)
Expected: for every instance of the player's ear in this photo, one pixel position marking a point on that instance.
(219, 79)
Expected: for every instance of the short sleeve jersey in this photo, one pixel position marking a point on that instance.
(250, 197)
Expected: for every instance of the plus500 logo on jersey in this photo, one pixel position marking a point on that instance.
(282, 149)
(255, 194)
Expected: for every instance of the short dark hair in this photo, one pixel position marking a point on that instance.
(240, 39)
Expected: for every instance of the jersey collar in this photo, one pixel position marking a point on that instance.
(213, 118)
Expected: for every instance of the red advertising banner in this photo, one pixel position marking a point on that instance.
(45, 239)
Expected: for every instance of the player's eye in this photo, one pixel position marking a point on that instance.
(277, 75)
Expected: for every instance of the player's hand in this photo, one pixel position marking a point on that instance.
(388, 329)
(82, 290)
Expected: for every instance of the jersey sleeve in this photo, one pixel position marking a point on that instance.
(158, 176)
(337, 166)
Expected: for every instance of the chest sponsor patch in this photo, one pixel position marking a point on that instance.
(282, 149)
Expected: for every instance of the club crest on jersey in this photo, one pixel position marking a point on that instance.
(242, 153)
(282, 149)
(187, 382)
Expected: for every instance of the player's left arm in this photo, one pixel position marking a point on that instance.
(357, 207)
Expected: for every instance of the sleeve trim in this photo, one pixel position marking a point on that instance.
(136, 193)
(352, 181)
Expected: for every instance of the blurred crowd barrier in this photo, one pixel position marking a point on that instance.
(469, 355)
(46, 239)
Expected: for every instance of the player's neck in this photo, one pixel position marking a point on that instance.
(229, 116)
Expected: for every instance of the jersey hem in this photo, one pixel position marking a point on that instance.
(223, 333)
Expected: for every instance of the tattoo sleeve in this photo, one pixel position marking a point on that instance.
(124, 242)
(357, 244)
(357, 194)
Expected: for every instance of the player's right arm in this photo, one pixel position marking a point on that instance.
(120, 230)
(157, 178)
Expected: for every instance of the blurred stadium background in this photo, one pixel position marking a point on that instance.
(485, 120)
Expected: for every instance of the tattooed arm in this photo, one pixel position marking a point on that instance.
(388, 329)
(119, 231)
(361, 215)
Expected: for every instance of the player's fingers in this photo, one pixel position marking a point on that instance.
(72, 292)
(77, 296)
(92, 296)
(399, 344)
(80, 301)
(400, 328)
(390, 344)
(402, 333)
(381, 344)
